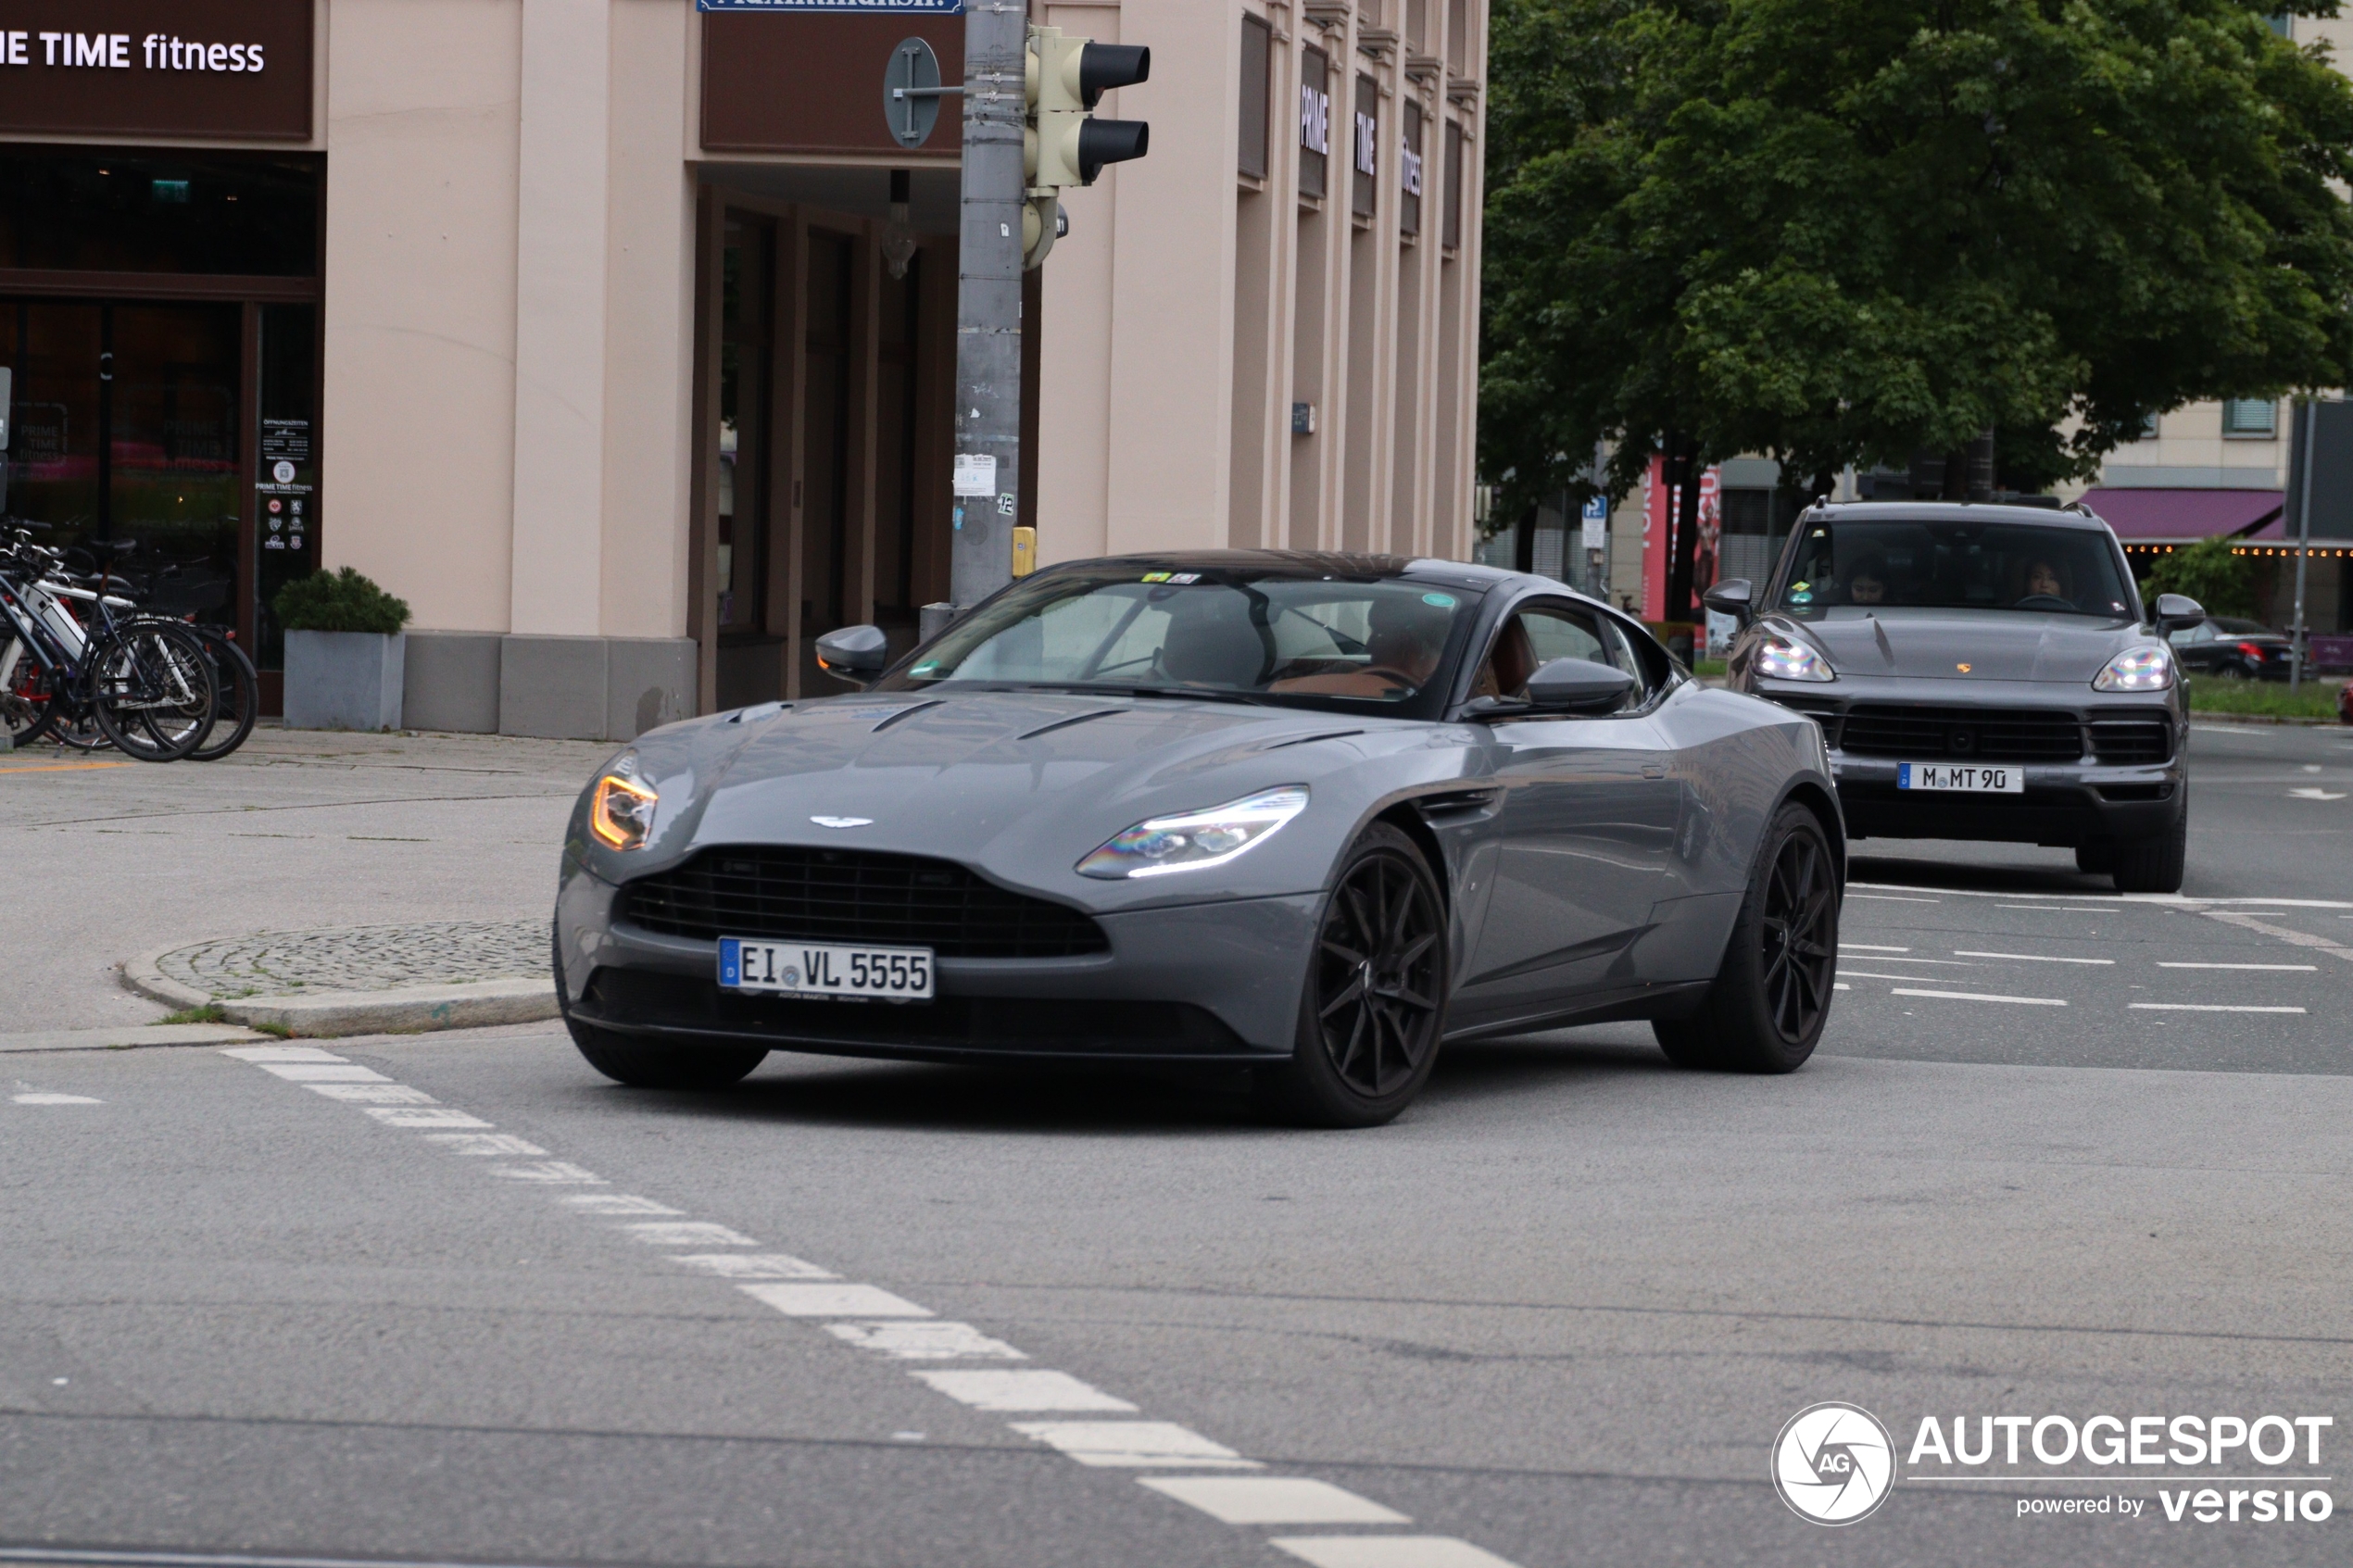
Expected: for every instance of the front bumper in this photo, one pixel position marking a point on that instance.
(2063, 805)
(1197, 982)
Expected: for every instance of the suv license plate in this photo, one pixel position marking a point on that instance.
(1945, 775)
(814, 969)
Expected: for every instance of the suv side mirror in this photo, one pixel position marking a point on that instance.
(1578, 685)
(2177, 609)
(854, 654)
(1732, 597)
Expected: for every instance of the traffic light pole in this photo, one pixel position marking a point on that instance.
(988, 456)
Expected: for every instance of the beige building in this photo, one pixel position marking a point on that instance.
(617, 336)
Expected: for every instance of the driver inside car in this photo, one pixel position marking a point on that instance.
(2045, 579)
(1866, 582)
(1402, 641)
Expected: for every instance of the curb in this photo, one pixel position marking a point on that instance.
(130, 1038)
(2198, 716)
(328, 1014)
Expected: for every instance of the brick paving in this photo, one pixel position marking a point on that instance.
(367, 958)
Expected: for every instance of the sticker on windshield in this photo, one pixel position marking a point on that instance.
(1799, 587)
(1155, 577)
(1184, 577)
(1801, 598)
(1443, 601)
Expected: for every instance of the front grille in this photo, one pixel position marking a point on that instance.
(1995, 734)
(2137, 739)
(1824, 711)
(855, 897)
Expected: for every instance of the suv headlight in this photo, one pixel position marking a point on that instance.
(621, 811)
(1196, 839)
(2148, 668)
(1781, 659)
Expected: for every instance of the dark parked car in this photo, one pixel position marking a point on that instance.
(1306, 815)
(1982, 672)
(2239, 651)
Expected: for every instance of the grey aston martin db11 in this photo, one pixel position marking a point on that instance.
(1982, 672)
(1308, 815)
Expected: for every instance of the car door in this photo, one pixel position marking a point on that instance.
(2195, 646)
(1588, 817)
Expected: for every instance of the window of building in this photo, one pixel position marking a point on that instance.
(1315, 121)
(1367, 147)
(1457, 35)
(1450, 236)
(748, 286)
(1409, 172)
(213, 212)
(2147, 431)
(2254, 418)
(2282, 24)
(1257, 50)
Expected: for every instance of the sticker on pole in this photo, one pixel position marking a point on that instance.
(975, 473)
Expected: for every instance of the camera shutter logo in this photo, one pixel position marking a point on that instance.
(1833, 1463)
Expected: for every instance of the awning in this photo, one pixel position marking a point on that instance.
(2190, 514)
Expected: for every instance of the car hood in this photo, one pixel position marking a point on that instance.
(1992, 644)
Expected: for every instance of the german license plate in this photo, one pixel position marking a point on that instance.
(1972, 778)
(815, 969)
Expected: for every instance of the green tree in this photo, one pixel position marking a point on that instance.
(2207, 572)
(1844, 230)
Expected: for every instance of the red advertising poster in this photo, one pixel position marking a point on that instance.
(1661, 501)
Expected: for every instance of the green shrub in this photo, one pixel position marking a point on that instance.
(338, 601)
(2270, 699)
(2207, 572)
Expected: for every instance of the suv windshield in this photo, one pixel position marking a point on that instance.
(1865, 565)
(1201, 634)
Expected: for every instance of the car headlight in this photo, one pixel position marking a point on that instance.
(1781, 659)
(1196, 839)
(621, 811)
(2148, 668)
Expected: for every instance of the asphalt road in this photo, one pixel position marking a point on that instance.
(308, 1308)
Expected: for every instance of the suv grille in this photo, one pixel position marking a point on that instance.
(858, 897)
(2137, 739)
(1995, 735)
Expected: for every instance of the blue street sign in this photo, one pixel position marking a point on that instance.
(900, 7)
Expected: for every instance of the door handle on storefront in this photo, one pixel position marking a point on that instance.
(1654, 771)
(106, 365)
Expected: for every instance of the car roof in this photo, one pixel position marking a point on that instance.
(1957, 511)
(1335, 563)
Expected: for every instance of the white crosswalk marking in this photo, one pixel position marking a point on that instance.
(754, 1265)
(1273, 1499)
(1389, 1551)
(844, 1300)
(989, 1389)
(1138, 1443)
(924, 1341)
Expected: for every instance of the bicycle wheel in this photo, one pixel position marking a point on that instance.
(153, 690)
(30, 706)
(240, 702)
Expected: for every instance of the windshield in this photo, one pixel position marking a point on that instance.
(1861, 566)
(1203, 634)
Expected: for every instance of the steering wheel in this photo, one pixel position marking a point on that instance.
(2044, 601)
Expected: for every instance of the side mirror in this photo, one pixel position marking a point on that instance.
(1732, 597)
(2177, 609)
(854, 654)
(1578, 685)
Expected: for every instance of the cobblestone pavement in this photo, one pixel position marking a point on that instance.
(367, 958)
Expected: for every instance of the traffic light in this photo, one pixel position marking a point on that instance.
(1066, 144)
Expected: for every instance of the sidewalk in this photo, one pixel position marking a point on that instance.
(450, 840)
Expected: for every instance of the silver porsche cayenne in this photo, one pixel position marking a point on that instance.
(1307, 815)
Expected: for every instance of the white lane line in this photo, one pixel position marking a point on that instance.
(2053, 910)
(1388, 1551)
(615, 1203)
(2202, 1007)
(552, 1173)
(754, 1265)
(2298, 967)
(1868, 947)
(439, 1116)
(42, 1099)
(1876, 975)
(992, 1390)
(1980, 997)
(1840, 985)
(487, 1143)
(371, 1094)
(1134, 1444)
(2287, 934)
(323, 1072)
(687, 1232)
(2315, 793)
(1892, 898)
(2026, 958)
(1940, 963)
(2176, 900)
(1273, 1499)
(280, 1053)
(932, 1341)
(842, 1301)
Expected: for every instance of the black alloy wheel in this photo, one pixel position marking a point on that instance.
(1771, 995)
(1374, 1001)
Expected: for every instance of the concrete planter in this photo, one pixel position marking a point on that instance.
(344, 680)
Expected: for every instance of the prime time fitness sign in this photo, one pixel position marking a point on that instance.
(227, 68)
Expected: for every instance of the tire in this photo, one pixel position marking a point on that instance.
(644, 1064)
(2154, 864)
(2095, 857)
(1373, 1009)
(1766, 1010)
(30, 707)
(153, 691)
(240, 702)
